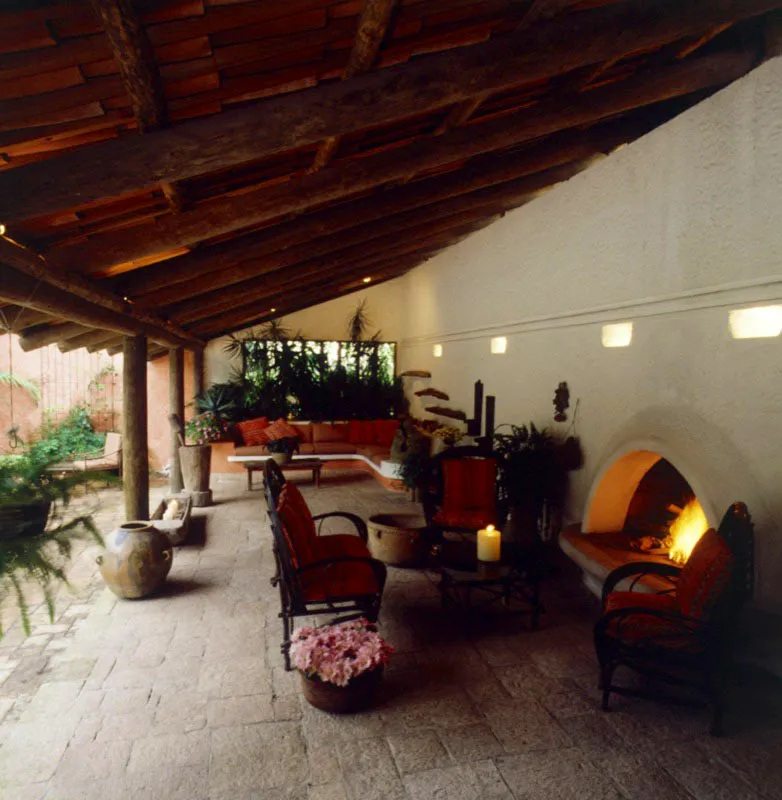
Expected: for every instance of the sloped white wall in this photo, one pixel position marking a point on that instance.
(670, 232)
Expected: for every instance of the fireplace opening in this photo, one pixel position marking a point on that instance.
(643, 509)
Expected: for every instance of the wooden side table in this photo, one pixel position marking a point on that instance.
(314, 465)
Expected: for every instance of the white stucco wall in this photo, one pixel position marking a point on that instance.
(670, 232)
(325, 321)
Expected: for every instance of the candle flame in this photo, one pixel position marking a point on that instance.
(490, 527)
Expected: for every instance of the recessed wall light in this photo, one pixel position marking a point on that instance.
(2, 229)
(272, 310)
(499, 344)
(761, 322)
(618, 334)
(367, 280)
(437, 351)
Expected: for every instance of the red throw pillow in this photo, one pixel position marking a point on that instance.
(385, 430)
(360, 432)
(281, 430)
(252, 431)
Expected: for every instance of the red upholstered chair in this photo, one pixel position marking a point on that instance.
(319, 573)
(685, 635)
(460, 492)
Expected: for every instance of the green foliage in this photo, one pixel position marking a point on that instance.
(74, 435)
(221, 399)
(31, 387)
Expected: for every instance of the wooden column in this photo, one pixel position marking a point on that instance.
(176, 389)
(135, 457)
(198, 372)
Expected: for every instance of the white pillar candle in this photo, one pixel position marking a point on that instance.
(489, 544)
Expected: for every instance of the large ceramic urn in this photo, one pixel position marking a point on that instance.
(196, 461)
(137, 559)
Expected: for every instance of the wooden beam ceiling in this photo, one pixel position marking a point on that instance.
(228, 214)
(285, 122)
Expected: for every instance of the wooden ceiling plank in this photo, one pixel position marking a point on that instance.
(42, 335)
(91, 340)
(233, 213)
(286, 122)
(72, 290)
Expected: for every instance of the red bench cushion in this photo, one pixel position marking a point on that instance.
(385, 430)
(360, 431)
(280, 429)
(342, 580)
(704, 577)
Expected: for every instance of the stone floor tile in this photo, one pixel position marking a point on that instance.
(264, 756)
(124, 701)
(471, 743)
(560, 774)
(327, 791)
(287, 708)
(369, 770)
(90, 761)
(33, 791)
(31, 752)
(324, 764)
(174, 750)
(640, 776)
(232, 711)
(418, 752)
(457, 783)
(126, 727)
(523, 725)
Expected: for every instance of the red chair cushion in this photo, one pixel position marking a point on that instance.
(634, 628)
(253, 431)
(360, 431)
(280, 429)
(704, 577)
(344, 580)
(297, 525)
(340, 544)
(469, 492)
(385, 430)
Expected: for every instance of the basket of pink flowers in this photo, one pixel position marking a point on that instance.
(341, 665)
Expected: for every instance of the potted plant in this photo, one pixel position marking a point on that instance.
(282, 450)
(195, 454)
(341, 665)
(36, 530)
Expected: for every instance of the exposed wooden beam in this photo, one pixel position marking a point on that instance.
(44, 274)
(482, 173)
(373, 25)
(93, 341)
(541, 10)
(300, 118)
(26, 290)
(459, 114)
(232, 213)
(139, 71)
(327, 250)
(41, 335)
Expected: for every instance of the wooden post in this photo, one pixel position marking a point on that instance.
(176, 388)
(135, 458)
(198, 372)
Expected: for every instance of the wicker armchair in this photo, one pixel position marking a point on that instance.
(107, 459)
(683, 636)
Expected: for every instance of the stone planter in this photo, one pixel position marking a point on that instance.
(196, 461)
(281, 458)
(358, 695)
(24, 519)
(136, 561)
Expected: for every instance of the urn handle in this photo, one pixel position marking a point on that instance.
(166, 555)
(99, 560)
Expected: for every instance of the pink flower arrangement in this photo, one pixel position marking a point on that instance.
(205, 428)
(338, 653)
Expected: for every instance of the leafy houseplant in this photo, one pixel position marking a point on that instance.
(205, 428)
(282, 450)
(36, 532)
(341, 665)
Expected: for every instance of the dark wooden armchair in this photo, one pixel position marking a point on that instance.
(460, 491)
(318, 573)
(683, 636)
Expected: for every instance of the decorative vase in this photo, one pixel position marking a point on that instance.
(196, 461)
(281, 458)
(24, 519)
(137, 559)
(358, 695)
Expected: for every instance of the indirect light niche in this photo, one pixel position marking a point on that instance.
(499, 344)
(761, 322)
(437, 351)
(618, 334)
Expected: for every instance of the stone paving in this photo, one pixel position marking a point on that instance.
(184, 695)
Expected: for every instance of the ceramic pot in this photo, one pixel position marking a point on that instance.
(358, 695)
(137, 559)
(281, 458)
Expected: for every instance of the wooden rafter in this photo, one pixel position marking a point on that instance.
(373, 25)
(293, 120)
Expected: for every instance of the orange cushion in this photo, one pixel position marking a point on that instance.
(297, 525)
(469, 485)
(280, 429)
(323, 432)
(360, 431)
(464, 518)
(662, 602)
(253, 431)
(339, 581)
(385, 430)
(704, 577)
(304, 432)
(640, 627)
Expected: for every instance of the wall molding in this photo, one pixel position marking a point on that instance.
(735, 293)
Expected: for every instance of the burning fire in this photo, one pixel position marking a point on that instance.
(686, 530)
